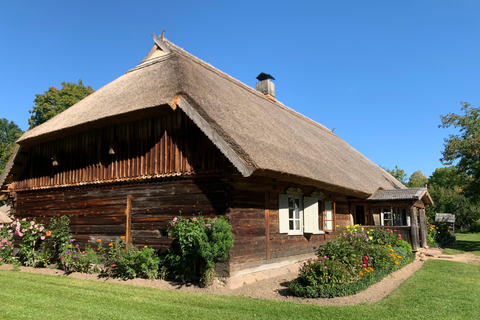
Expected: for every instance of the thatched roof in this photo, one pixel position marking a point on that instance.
(256, 134)
(403, 194)
(4, 211)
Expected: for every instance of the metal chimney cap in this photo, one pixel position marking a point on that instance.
(264, 76)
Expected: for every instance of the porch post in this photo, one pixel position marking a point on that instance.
(414, 228)
(423, 228)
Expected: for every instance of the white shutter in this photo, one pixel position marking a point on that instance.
(408, 218)
(382, 216)
(283, 213)
(310, 215)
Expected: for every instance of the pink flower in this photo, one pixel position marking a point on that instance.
(32, 223)
(42, 237)
(1, 259)
(175, 219)
(41, 228)
(61, 258)
(24, 219)
(194, 219)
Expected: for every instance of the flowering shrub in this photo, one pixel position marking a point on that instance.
(351, 261)
(73, 259)
(31, 235)
(197, 245)
(6, 244)
(127, 262)
(438, 232)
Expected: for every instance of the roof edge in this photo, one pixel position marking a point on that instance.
(245, 168)
(9, 165)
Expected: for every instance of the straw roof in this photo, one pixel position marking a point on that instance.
(256, 134)
(4, 210)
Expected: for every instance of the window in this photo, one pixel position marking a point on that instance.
(394, 217)
(328, 215)
(298, 214)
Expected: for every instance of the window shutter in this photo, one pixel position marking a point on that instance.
(310, 215)
(382, 217)
(283, 213)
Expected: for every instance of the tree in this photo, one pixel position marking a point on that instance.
(464, 147)
(9, 133)
(398, 174)
(417, 180)
(54, 101)
(449, 178)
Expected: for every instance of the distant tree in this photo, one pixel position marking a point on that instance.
(54, 101)
(451, 201)
(398, 174)
(464, 148)
(417, 180)
(449, 177)
(9, 133)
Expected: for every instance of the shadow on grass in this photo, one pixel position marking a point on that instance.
(467, 246)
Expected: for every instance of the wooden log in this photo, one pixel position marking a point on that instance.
(414, 229)
(128, 213)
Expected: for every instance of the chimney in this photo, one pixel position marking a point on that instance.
(266, 86)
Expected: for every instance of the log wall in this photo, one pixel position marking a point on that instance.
(98, 212)
(254, 217)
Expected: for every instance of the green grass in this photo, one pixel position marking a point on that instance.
(440, 290)
(466, 242)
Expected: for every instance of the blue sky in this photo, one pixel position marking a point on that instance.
(380, 72)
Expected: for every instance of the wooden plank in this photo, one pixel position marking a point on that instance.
(267, 224)
(128, 213)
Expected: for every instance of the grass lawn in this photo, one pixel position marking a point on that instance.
(466, 242)
(441, 290)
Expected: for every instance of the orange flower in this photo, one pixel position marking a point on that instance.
(99, 240)
(361, 273)
(48, 234)
(110, 244)
(396, 262)
(122, 237)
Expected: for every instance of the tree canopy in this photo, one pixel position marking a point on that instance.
(54, 101)
(9, 133)
(398, 174)
(463, 148)
(417, 180)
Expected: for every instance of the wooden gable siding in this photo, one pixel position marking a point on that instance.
(166, 145)
(98, 211)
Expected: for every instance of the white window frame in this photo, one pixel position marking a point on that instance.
(308, 212)
(324, 220)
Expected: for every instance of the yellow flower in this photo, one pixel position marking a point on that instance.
(145, 246)
(371, 238)
(389, 246)
(399, 257)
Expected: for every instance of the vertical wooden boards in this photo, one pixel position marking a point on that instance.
(166, 145)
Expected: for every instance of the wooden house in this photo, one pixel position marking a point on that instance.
(175, 136)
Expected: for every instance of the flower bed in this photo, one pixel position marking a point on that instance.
(198, 244)
(351, 262)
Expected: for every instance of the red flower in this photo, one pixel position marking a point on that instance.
(48, 234)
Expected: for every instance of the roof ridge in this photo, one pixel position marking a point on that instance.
(228, 77)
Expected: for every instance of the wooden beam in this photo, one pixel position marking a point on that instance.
(414, 228)
(423, 229)
(128, 223)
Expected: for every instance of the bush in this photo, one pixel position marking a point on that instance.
(127, 262)
(438, 232)
(345, 264)
(6, 244)
(54, 245)
(73, 259)
(197, 245)
(474, 227)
